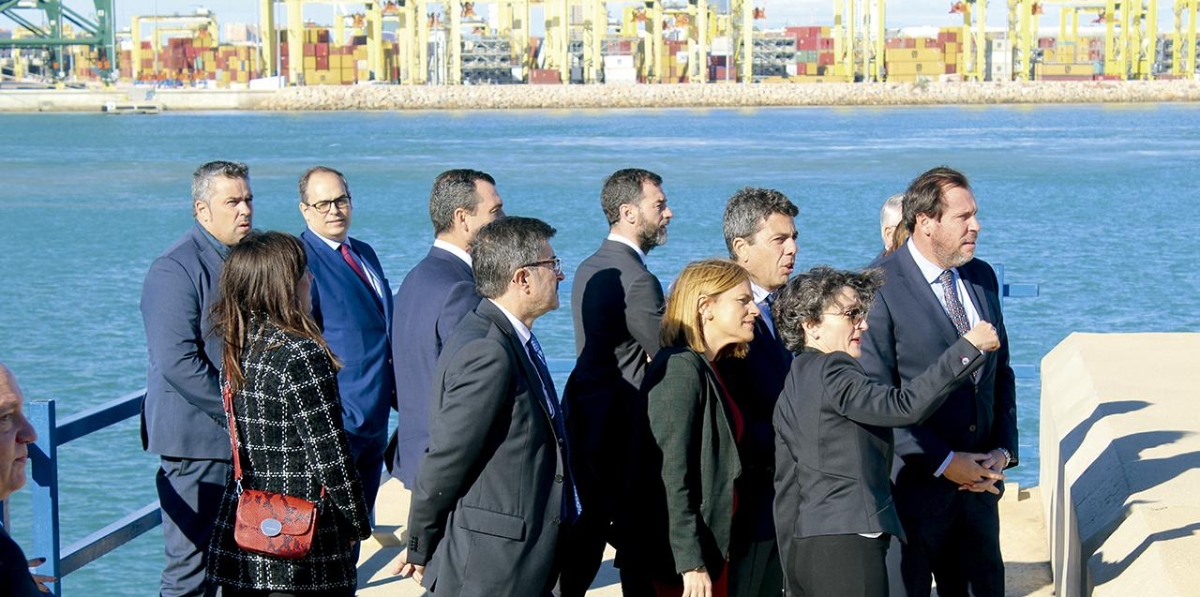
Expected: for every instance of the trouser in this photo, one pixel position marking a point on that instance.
(959, 546)
(580, 553)
(757, 573)
(368, 461)
(838, 566)
(189, 492)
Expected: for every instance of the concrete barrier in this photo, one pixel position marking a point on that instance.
(1120, 464)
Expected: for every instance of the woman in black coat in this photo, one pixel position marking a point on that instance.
(684, 499)
(833, 436)
(289, 422)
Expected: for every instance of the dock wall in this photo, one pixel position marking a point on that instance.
(574, 97)
(1120, 464)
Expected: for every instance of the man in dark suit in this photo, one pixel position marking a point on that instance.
(182, 412)
(946, 488)
(760, 234)
(435, 295)
(352, 303)
(495, 489)
(617, 305)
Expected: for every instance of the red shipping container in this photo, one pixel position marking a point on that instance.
(323, 36)
(825, 58)
(146, 45)
(801, 68)
(544, 76)
(310, 49)
(951, 68)
(322, 50)
(826, 43)
(808, 44)
(1046, 42)
(322, 63)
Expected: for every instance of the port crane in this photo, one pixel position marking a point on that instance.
(94, 31)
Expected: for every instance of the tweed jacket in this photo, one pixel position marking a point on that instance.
(682, 500)
(289, 422)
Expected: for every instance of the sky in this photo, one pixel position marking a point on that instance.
(780, 13)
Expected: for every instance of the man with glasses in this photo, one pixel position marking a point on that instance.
(183, 415)
(617, 304)
(495, 490)
(352, 303)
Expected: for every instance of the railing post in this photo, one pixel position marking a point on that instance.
(44, 489)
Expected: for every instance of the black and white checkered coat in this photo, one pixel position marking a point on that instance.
(289, 422)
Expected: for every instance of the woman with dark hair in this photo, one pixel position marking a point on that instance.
(289, 424)
(833, 446)
(685, 500)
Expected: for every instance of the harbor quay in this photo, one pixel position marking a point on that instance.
(587, 97)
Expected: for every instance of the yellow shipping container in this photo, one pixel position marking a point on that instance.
(915, 68)
(913, 55)
(901, 78)
(825, 31)
(951, 49)
(348, 75)
(310, 63)
(1064, 68)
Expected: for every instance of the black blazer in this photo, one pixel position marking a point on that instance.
(834, 441)
(909, 330)
(617, 305)
(435, 295)
(485, 507)
(683, 501)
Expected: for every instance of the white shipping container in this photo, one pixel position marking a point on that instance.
(791, 69)
(620, 76)
(618, 61)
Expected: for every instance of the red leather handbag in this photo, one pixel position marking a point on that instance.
(269, 523)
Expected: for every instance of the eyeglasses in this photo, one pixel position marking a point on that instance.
(322, 207)
(856, 315)
(554, 262)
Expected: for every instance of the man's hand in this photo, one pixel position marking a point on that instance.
(40, 579)
(973, 472)
(696, 583)
(403, 568)
(995, 462)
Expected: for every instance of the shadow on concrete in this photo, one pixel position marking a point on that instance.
(1071, 441)
(1106, 571)
(1026, 578)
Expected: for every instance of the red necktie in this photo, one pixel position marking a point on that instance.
(345, 250)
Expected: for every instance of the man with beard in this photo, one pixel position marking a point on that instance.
(947, 485)
(617, 305)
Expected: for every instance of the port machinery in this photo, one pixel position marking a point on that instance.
(95, 32)
(188, 25)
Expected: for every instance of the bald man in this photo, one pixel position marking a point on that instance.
(15, 436)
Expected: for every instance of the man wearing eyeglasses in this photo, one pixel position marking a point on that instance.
(352, 303)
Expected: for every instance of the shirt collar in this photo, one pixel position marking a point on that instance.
(613, 236)
(217, 245)
(760, 293)
(928, 268)
(333, 244)
(522, 330)
(453, 250)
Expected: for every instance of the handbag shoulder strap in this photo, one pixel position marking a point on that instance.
(227, 395)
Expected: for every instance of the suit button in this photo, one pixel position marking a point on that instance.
(971, 428)
(966, 361)
(558, 478)
(556, 520)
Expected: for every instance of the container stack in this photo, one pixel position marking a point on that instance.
(673, 63)
(814, 54)
(196, 61)
(911, 60)
(619, 68)
(1079, 60)
(773, 55)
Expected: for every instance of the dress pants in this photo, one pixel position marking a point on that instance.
(368, 461)
(189, 492)
(959, 546)
(838, 566)
(757, 573)
(580, 553)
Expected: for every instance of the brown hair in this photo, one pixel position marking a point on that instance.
(681, 323)
(258, 284)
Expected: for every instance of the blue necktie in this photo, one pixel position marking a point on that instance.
(954, 307)
(571, 506)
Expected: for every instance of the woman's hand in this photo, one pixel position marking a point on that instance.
(983, 336)
(696, 583)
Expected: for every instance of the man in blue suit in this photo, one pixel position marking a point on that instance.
(353, 305)
(435, 295)
(182, 413)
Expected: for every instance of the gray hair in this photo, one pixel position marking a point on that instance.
(504, 246)
(806, 296)
(926, 194)
(203, 177)
(624, 187)
(452, 190)
(747, 211)
(893, 205)
(308, 174)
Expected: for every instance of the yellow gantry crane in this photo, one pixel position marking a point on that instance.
(188, 25)
(1183, 59)
(1131, 33)
(973, 39)
(858, 34)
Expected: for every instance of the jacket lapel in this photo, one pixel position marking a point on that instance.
(913, 281)
(533, 380)
(336, 265)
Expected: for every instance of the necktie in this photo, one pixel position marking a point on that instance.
(345, 250)
(571, 505)
(954, 307)
(767, 315)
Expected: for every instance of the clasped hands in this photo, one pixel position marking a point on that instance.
(404, 568)
(976, 472)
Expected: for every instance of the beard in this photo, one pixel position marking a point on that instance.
(650, 236)
(951, 254)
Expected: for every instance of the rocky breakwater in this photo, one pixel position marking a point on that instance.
(413, 97)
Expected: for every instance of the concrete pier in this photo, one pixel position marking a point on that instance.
(1120, 464)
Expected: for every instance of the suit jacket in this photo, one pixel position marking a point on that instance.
(687, 465)
(909, 330)
(617, 306)
(182, 414)
(754, 383)
(486, 506)
(834, 441)
(292, 442)
(355, 323)
(435, 295)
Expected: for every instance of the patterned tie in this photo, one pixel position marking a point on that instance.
(954, 307)
(571, 506)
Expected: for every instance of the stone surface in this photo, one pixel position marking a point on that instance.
(1120, 463)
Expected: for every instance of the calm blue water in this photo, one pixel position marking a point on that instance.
(1096, 204)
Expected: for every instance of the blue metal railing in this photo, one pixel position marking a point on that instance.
(52, 434)
(44, 488)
